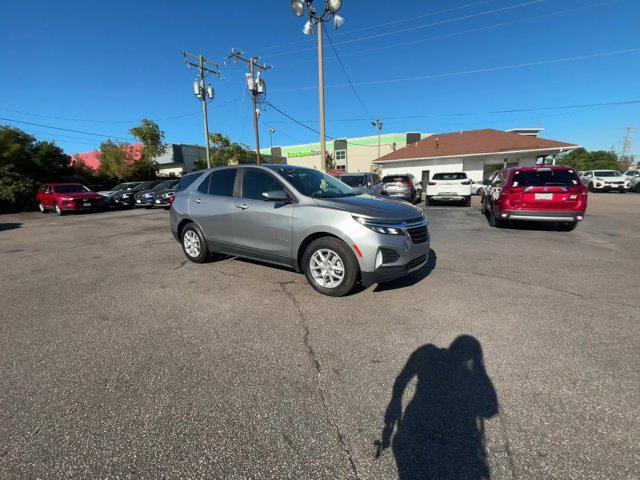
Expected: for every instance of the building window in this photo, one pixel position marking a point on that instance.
(341, 154)
(340, 167)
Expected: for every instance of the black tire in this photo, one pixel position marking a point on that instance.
(483, 209)
(624, 190)
(590, 188)
(349, 262)
(42, 208)
(203, 255)
(427, 201)
(567, 227)
(58, 209)
(467, 201)
(495, 221)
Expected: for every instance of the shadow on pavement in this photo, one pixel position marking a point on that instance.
(440, 434)
(9, 226)
(412, 278)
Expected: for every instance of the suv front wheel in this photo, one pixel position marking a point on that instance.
(330, 266)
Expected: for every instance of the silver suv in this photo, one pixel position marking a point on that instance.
(300, 218)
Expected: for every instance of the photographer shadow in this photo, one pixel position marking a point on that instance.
(440, 434)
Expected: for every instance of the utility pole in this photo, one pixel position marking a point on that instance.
(256, 86)
(316, 18)
(378, 123)
(201, 92)
(323, 140)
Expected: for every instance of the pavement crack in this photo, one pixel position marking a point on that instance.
(318, 369)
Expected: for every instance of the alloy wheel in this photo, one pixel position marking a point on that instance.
(327, 268)
(191, 243)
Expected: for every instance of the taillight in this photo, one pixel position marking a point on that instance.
(515, 189)
(465, 182)
(408, 184)
(171, 199)
(432, 183)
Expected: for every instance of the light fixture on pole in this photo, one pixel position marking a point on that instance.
(378, 123)
(316, 19)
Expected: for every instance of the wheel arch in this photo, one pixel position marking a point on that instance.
(307, 241)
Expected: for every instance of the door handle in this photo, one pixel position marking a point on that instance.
(198, 200)
(242, 206)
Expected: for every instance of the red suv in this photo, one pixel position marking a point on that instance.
(63, 197)
(539, 194)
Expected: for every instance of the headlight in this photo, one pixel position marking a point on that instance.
(377, 227)
(600, 179)
(66, 199)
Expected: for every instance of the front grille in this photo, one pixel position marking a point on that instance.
(389, 255)
(414, 220)
(418, 234)
(416, 261)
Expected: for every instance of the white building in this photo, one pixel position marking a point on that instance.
(476, 152)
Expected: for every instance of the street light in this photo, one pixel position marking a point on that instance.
(378, 123)
(316, 19)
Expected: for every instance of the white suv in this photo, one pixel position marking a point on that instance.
(447, 187)
(605, 181)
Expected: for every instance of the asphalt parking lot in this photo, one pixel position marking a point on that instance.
(120, 359)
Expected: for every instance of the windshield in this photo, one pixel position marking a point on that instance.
(166, 184)
(124, 186)
(450, 176)
(543, 178)
(314, 183)
(144, 186)
(396, 178)
(606, 173)
(352, 180)
(75, 188)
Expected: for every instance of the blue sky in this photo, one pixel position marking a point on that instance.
(100, 66)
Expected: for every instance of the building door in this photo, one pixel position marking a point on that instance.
(425, 179)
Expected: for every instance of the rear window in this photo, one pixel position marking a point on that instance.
(545, 178)
(450, 176)
(352, 180)
(187, 180)
(395, 178)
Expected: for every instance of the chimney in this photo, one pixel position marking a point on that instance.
(437, 142)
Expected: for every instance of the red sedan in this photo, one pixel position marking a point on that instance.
(64, 197)
(538, 194)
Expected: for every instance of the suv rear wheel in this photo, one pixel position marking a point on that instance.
(194, 244)
(330, 266)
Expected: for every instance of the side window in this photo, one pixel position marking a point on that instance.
(204, 185)
(186, 181)
(222, 182)
(255, 182)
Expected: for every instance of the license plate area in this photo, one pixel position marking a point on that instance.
(544, 196)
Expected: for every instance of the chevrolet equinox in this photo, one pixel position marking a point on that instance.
(300, 218)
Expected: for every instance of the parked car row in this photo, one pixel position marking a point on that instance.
(402, 186)
(67, 197)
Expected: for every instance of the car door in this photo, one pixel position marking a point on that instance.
(48, 198)
(262, 229)
(212, 204)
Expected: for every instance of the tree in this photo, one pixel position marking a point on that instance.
(24, 163)
(223, 151)
(584, 160)
(151, 137)
(115, 159)
(330, 163)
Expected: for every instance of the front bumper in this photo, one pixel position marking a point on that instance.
(543, 215)
(386, 257)
(144, 202)
(608, 187)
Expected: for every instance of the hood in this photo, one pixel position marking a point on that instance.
(142, 192)
(106, 193)
(382, 208)
(79, 195)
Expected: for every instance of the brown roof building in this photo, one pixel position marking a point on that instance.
(477, 152)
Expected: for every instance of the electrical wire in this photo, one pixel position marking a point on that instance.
(344, 70)
(467, 72)
(406, 19)
(67, 129)
(417, 27)
(477, 29)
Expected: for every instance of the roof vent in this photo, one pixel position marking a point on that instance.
(437, 142)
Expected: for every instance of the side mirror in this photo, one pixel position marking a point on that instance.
(275, 196)
(486, 182)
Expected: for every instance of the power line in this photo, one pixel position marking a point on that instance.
(478, 29)
(489, 112)
(479, 70)
(417, 27)
(156, 119)
(67, 129)
(344, 70)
